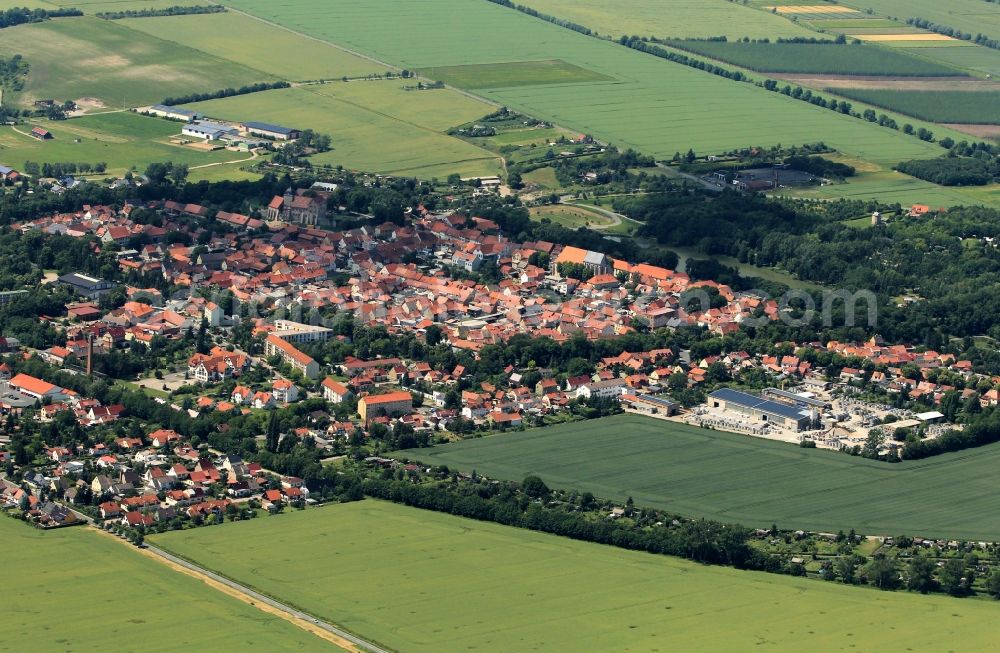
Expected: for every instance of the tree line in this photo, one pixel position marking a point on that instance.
(978, 39)
(168, 11)
(225, 92)
(534, 13)
(62, 169)
(23, 15)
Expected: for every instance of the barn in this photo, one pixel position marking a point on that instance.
(267, 130)
(208, 130)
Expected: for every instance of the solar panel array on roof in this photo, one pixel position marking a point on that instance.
(808, 401)
(268, 127)
(756, 403)
(662, 401)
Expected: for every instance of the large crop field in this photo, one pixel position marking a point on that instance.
(672, 18)
(72, 58)
(670, 107)
(256, 45)
(974, 107)
(817, 58)
(77, 590)
(375, 125)
(735, 478)
(423, 582)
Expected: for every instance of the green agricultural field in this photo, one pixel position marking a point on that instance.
(544, 177)
(78, 590)
(673, 18)
(87, 57)
(425, 582)
(816, 58)
(853, 24)
(976, 59)
(973, 107)
(922, 46)
(375, 125)
(972, 16)
(516, 73)
(670, 107)
(256, 45)
(121, 140)
(756, 482)
(527, 136)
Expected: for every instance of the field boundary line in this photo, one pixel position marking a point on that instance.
(322, 629)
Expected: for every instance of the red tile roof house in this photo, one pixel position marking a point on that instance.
(273, 497)
(135, 519)
(163, 437)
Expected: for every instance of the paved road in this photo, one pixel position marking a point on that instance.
(257, 596)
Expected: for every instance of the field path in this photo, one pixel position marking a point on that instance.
(253, 155)
(341, 638)
(616, 218)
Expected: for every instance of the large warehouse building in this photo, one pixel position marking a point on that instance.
(761, 410)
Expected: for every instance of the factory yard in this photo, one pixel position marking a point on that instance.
(843, 422)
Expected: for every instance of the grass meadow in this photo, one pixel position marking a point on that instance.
(973, 107)
(375, 125)
(121, 140)
(573, 217)
(77, 590)
(86, 57)
(673, 18)
(756, 482)
(816, 58)
(425, 582)
(670, 107)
